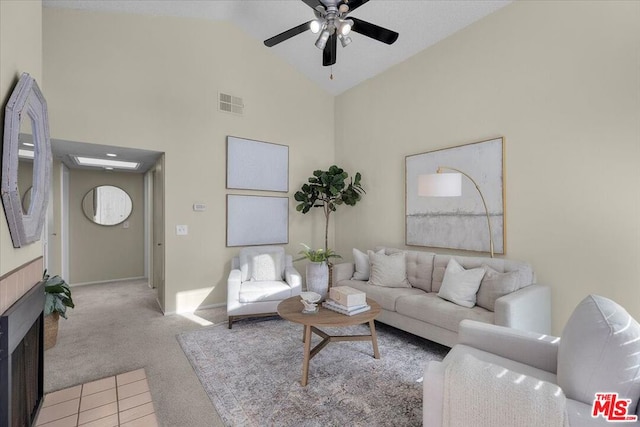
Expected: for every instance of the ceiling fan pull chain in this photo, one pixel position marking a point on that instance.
(331, 76)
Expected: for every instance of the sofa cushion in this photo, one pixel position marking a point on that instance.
(428, 307)
(388, 270)
(459, 285)
(253, 291)
(600, 352)
(420, 269)
(386, 297)
(495, 285)
(419, 266)
(361, 264)
(523, 269)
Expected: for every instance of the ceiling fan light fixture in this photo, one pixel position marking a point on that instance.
(344, 27)
(344, 40)
(322, 39)
(315, 26)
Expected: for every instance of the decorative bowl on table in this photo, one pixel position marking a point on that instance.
(310, 300)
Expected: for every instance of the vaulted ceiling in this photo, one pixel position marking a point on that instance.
(420, 23)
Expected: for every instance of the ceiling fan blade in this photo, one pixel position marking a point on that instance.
(375, 32)
(329, 52)
(353, 4)
(313, 4)
(287, 34)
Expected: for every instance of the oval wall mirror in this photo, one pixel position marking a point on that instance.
(107, 205)
(26, 136)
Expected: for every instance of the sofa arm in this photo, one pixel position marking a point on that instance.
(528, 309)
(294, 280)
(530, 348)
(342, 271)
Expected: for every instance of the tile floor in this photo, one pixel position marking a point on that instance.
(120, 401)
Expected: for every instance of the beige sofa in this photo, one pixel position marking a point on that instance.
(418, 309)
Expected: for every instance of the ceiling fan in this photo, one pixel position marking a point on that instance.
(333, 24)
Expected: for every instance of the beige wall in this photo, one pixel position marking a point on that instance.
(560, 81)
(152, 83)
(20, 51)
(100, 253)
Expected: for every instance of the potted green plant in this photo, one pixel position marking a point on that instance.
(328, 190)
(317, 271)
(57, 299)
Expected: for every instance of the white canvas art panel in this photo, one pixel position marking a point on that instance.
(255, 165)
(257, 220)
(458, 222)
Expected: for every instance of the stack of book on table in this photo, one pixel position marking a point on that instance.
(346, 300)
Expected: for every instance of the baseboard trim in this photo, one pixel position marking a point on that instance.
(126, 279)
(202, 307)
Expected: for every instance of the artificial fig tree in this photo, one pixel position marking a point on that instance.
(328, 190)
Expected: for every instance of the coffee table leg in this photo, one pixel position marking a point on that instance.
(374, 339)
(307, 351)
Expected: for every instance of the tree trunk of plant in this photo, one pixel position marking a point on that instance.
(326, 229)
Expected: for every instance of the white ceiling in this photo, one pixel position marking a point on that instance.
(65, 150)
(421, 23)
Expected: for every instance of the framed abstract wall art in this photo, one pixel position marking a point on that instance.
(257, 220)
(255, 165)
(458, 222)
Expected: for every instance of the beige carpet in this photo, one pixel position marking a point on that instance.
(118, 327)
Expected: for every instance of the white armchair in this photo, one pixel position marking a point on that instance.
(260, 278)
(599, 352)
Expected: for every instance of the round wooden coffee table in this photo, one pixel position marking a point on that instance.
(291, 309)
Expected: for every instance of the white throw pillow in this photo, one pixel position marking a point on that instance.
(266, 266)
(600, 352)
(246, 258)
(459, 285)
(361, 263)
(389, 271)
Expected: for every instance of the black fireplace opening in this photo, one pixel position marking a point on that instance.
(22, 360)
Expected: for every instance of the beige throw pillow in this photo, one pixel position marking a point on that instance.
(266, 266)
(459, 285)
(361, 263)
(388, 270)
(495, 285)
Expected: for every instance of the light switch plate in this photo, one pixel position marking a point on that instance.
(182, 230)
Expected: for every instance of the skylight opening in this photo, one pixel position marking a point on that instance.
(101, 163)
(25, 153)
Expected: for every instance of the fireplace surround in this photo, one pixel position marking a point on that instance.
(22, 359)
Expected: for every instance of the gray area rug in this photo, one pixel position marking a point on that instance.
(252, 375)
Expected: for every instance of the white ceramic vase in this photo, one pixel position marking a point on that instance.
(318, 278)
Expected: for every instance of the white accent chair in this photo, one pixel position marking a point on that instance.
(260, 278)
(599, 352)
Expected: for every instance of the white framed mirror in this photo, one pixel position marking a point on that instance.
(26, 119)
(107, 205)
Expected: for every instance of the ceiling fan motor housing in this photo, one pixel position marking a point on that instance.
(332, 25)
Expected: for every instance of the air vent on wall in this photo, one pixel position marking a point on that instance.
(230, 104)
